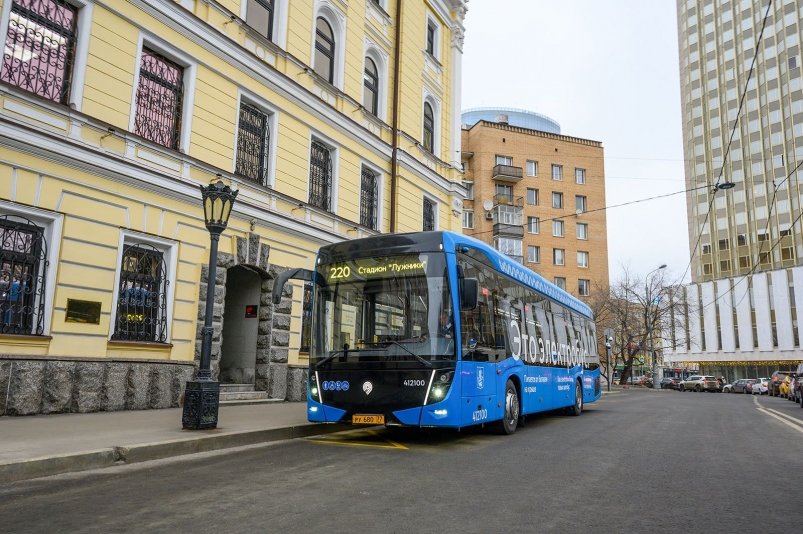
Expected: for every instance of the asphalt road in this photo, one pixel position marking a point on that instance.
(636, 461)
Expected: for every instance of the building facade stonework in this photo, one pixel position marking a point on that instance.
(112, 114)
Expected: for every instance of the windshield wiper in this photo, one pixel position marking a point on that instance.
(408, 351)
(334, 355)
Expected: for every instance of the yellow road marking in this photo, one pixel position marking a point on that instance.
(345, 439)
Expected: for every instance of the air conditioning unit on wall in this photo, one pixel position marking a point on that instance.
(489, 215)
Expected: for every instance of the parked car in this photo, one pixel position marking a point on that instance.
(797, 385)
(760, 386)
(700, 383)
(728, 388)
(792, 393)
(786, 387)
(774, 386)
(743, 385)
(641, 381)
(669, 382)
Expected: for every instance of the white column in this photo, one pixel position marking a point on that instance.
(761, 298)
(709, 317)
(797, 280)
(695, 328)
(457, 83)
(725, 306)
(783, 313)
(679, 322)
(744, 321)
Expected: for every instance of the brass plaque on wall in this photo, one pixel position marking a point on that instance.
(83, 311)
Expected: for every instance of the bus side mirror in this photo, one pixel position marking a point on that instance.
(296, 274)
(469, 292)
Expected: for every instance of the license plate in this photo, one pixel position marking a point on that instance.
(361, 419)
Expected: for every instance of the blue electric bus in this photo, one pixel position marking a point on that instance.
(437, 329)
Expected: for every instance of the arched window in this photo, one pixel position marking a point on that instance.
(429, 127)
(324, 50)
(370, 97)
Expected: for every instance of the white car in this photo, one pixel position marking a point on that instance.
(760, 387)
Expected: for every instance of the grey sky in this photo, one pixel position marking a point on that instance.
(605, 70)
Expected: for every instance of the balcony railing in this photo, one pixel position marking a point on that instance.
(508, 230)
(507, 173)
(508, 200)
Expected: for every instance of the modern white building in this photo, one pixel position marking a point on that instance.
(742, 105)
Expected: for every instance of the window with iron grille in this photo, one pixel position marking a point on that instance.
(429, 215)
(142, 295)
(253, 144)
(429, 127)
(259, 15)
(370, 97)
(159, 99)
(369, 198)
(40, 47)
(320, 175)
(306, 318)
(324, 63)
(23, 269)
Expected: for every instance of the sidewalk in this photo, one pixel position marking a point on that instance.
(42, 445)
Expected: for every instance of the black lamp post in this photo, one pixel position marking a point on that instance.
(608, 343)
(202, 395)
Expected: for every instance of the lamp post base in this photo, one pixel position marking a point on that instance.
(201, 402)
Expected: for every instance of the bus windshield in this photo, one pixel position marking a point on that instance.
(383, 309)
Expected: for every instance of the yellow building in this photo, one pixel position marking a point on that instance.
(537, 195)
(334, 119)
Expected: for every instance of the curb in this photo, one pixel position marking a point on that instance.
(108, 457)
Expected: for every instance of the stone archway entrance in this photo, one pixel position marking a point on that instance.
(271, 374)
(238, 351)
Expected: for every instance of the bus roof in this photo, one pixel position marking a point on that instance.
(388, 244)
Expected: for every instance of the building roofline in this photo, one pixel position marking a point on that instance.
(538, 133)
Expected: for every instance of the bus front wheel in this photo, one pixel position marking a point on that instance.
(577, 408)
(510, 421)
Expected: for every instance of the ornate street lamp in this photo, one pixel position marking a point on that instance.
(202, 395)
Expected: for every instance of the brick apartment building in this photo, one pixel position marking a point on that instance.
(537, 195)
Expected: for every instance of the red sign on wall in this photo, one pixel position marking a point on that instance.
(251, 310)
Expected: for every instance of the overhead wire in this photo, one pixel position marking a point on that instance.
(605, 208)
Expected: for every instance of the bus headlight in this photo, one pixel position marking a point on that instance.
(441, 382)
(313, 387)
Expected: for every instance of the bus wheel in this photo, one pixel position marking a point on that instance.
(510, 420)
(577, 408)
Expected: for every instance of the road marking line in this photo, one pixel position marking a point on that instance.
(797, 424)
(786, 416)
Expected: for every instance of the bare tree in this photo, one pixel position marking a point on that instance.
(641, 312)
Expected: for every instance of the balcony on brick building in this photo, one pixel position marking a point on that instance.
(507, 173)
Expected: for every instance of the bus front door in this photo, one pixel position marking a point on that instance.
(478, 392)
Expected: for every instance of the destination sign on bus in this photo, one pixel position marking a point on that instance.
(389, 266)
